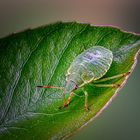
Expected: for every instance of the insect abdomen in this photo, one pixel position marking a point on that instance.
(90, 65)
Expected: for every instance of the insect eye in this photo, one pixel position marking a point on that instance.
(76, 87)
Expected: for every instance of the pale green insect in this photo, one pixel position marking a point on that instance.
(91, 65)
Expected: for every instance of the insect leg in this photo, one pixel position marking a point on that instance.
(86, 100)
(113, 77)
(69, 98)
(64, 103)
(106, 85)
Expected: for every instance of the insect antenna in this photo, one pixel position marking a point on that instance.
(55, 87)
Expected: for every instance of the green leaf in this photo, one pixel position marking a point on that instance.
(42, 56)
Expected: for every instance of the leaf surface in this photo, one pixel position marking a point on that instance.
(42, 56)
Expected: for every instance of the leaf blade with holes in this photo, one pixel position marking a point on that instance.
(42, 56)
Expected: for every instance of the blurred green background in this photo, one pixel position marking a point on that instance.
(121, 120)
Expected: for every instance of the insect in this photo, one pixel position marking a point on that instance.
(91, 65)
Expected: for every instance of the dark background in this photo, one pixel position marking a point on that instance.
(121, 120)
